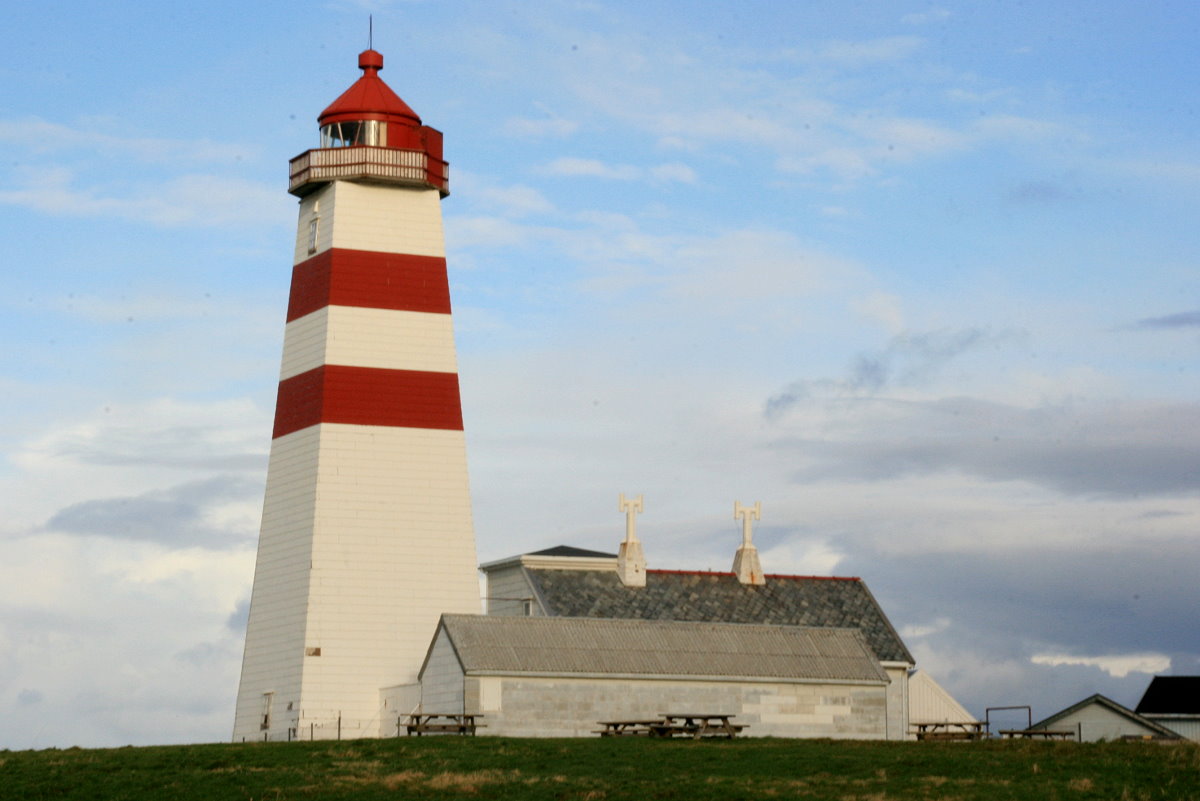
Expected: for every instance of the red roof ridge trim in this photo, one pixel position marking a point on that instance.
(767, 575)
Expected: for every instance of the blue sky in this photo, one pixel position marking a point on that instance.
(921, 278)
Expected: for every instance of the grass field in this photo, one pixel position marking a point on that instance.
(620, 768)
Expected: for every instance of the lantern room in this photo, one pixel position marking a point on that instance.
(370, 134)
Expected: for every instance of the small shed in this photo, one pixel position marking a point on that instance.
(1100, 718)
(559, 676)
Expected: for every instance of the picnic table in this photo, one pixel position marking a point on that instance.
(628, 728)
(440, 723)
(1031, 734)
(951, 730)
(696, 725)
(689, 724)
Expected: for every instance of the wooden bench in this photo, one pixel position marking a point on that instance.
(626, 728)
(951, 730)
(1035, 734)
(420, 723)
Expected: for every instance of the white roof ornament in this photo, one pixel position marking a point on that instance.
(745, 563)
(631, 561)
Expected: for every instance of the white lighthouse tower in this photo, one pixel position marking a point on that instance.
(366, 532)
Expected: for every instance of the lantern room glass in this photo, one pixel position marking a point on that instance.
(349, 134)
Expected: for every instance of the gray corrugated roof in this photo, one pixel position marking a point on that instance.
(721, 598)
(659, 648)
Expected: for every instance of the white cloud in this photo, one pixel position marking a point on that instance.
(739, 269)
(848, 164)
(801, 557)
(1118, 666)
(978, 96)
(809, 118)
(907, 139)
(186, 200)
(511, 201)
(127, 642)
(40, 136)
(933, 14)
(673, 172)
(883, 307)
(591, 168)
(1170, 169)
(218, 512)
(1117, 450)
(547, 125)
(860, 53)
(916, 631)
(153, 446)
(487, 232)
(1013, 128)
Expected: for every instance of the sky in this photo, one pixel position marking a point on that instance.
(921, 278)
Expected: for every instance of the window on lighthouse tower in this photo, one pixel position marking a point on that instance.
(348, 134)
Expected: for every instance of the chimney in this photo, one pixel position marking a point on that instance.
(745, 563)
(631, 562)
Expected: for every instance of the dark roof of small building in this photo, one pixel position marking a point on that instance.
(1100, 700)
(556, 645)
(1171, 695)
(569, 550)
(721, 598)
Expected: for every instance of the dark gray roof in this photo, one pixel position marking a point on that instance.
(1171, 695)
(721, 598)
(570, 550)
(1116, 708)
(556, 645)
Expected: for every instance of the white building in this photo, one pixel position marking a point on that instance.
(558, 677)
(1099, 718)
(565, 582)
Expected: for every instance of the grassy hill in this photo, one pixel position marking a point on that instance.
(499, 768)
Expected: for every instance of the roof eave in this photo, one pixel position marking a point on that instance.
(487, 672)
(553, 562)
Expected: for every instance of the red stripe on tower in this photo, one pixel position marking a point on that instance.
(368, 396)
(341, 277)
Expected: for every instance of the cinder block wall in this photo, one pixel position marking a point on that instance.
(565, 707)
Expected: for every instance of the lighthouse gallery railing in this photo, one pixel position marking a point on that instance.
(365, 161)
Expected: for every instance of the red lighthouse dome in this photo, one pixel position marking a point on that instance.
(369, 100)
(385, 136)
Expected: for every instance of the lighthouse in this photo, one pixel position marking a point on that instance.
(366, 534)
